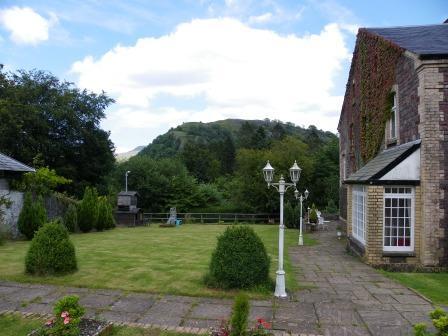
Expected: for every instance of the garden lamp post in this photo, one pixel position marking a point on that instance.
(301, 198)
(281, 187)
(126, 179)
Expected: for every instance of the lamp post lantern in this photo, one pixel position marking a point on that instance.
(126, 179)
(301, 198)
(281, 186)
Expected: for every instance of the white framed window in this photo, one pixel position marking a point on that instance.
(359, 213)
(393, 118)
(398, 230)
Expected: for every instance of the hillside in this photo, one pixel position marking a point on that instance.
(127, 155)
(242, 133)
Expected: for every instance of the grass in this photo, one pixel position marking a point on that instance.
(16, 325)
(147, 259)
(432, 285)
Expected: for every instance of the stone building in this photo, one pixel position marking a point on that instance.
(10, 169)
(394, 147)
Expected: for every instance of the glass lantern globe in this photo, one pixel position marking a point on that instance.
(268, 173)
(306, 193)
(294, 172)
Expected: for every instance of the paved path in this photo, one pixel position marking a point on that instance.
(345, 297)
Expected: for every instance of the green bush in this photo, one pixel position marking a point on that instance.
(240, 314)
(88, 210)
(68, 313)
(331, 207)
(32, 216)
(440, 321)
(313, 214)
(239, 260)
(51, 251)
(105, 217)
(290, 215)
(71, 218)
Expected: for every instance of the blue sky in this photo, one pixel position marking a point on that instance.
(168, 62)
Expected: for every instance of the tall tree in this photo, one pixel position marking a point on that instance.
(44, 117)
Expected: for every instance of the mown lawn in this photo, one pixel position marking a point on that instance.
(16, 325)
(148, 259)
(432, 285)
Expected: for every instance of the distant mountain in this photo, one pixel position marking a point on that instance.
(125, 156)
(243, 133)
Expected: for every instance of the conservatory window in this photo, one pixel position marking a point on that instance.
(359, 213)
(398, 219)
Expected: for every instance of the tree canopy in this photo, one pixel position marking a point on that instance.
(51, 121)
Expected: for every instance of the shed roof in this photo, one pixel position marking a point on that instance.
(10, 164)
(427, 41)
(128, 193)
(383, 163)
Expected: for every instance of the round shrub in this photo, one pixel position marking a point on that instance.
(71, 218)
(88, 210)
(32, 216)
(239, 260)
(51, 251)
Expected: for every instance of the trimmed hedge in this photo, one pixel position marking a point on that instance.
(32, 216)
(240, 260)
(51, 252)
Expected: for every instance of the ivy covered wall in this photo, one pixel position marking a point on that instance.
(368, 99)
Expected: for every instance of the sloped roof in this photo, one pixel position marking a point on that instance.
(431, 40)
(128, 193)
(8, 163)
(383, 163)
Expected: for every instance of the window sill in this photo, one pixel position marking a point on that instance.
(398, 254)
(391, 142)
(357, 243)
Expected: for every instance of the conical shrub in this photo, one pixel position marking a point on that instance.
(105, 217)
(32, 216)
(88, 210)
(51, 252)
(71, 218)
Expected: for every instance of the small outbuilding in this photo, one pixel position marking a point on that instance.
(11, 169)
(127, 212)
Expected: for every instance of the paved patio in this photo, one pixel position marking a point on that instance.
(343, 297)
(347, 297)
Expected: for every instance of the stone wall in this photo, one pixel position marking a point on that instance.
(372, 253)
(407, 91)
(11, 214)
(434, 152)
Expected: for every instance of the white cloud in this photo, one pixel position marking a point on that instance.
(25, 25)
(240, 72)
(264, 18)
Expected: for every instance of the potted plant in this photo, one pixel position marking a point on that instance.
(339, 231)
(313, 217)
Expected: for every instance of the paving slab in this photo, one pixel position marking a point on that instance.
(201, 323)
(211, 311)
(94, 300)
(133, 304)
(115, 316)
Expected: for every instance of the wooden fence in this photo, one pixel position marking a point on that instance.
(209, 218)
